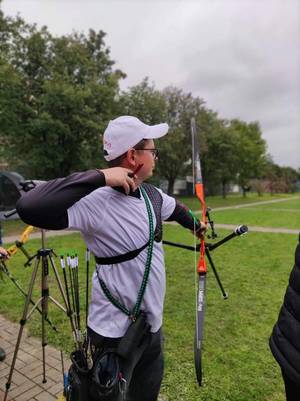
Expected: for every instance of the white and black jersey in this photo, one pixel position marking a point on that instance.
(111, 224)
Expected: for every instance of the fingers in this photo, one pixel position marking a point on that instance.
(200, 232)
(3, 253)
(119, 176)
(129, 184)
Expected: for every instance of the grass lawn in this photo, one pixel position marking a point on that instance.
(238, 365)
(14, 227)
(277, 215)
(232, 199)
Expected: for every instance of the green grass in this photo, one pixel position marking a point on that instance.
(283, 206)
(256, 217)
(237, 363)
(12, 227)
(232, 199)
(15, 227)
(277, 215)
(12, 306)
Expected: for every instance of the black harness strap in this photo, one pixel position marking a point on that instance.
(156, 201)
(120, 258)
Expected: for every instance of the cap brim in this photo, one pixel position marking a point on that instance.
(157, 131)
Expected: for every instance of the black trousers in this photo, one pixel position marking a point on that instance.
(292, 390)
(143, 372)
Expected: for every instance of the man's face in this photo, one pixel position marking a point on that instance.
(147, 157)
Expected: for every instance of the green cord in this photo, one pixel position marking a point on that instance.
(136, 310)
(196, 221)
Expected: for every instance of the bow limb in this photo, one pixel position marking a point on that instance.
(201, 263)
(25, 234)
(22, 240)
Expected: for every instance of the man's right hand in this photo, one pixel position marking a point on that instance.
(3, 253)
(118, 177)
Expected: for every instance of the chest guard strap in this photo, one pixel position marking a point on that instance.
(156, 201)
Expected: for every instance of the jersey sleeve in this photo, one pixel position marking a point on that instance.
(168, 205)
(46, 205)
(81, 215)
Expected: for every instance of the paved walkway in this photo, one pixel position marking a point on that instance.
(27, 376)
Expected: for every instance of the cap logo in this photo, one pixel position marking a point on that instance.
(107, 144)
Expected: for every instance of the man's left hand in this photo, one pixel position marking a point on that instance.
(200, 232)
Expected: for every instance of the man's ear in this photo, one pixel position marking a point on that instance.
(131, 157)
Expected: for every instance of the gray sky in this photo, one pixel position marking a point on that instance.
(241, 56)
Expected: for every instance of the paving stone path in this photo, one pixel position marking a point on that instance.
(27, 376)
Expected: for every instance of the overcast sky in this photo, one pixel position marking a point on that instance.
(241, 56)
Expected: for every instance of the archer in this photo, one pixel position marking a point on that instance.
(120, 218)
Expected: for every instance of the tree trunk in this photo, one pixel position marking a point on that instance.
(224, 189)
(171, 183)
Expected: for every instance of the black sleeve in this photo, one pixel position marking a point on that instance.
(46, 205)
(182, 216)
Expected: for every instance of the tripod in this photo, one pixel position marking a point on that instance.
(42, 259)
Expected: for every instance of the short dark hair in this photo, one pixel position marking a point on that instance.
(116, 162)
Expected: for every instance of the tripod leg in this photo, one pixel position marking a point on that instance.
(45, 297)
(207, 253)
(16, 283)
(22, 324)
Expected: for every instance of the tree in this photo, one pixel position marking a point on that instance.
(280, 179)
(175, 149)
(221, 160)
(290, 177)
(66, 95)
(144, 102)
(250, 150)
(148, 104)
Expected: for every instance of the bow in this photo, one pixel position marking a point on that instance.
(20, 242)
(204, 248)
(201, 264)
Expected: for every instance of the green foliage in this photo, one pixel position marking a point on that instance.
(221, 160)
(57, 95)
(145, 102)
(280, 179)
(251, 151)
(176, 149)
(64, 92)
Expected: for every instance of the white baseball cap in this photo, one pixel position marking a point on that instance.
(125, 132)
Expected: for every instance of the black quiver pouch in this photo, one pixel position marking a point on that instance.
(107, 382)
(79, 378)
(137, 333)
